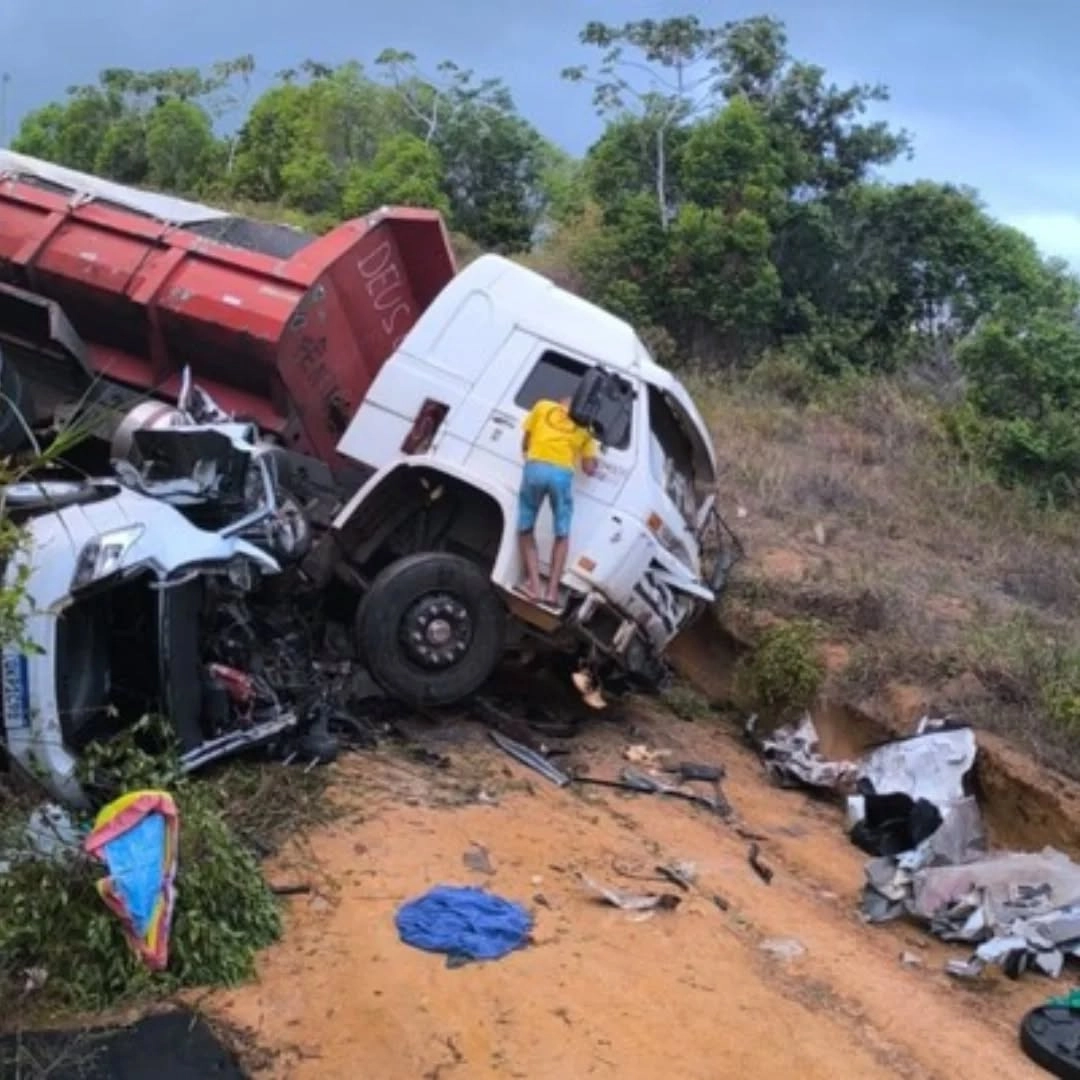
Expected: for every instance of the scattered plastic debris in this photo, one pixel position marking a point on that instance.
(629, 901)
(694, 770)
(783, 948)
(477, 859)
(464, 923)
(631, 779)
(793, 759)
(682, 874)
(136, 836)
(532, 758)
(1019, 910)
(761, 868)
(639, 754)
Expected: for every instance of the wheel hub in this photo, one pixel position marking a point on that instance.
(437, 630)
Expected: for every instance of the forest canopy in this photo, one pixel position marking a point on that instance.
(733, 207)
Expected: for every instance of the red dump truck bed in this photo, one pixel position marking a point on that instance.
(283, 327)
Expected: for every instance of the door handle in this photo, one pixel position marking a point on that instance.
(502, 420)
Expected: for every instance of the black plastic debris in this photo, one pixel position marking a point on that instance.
(178, 1045)
(1050, 1036)
(695, 770)
(529, 757)
(758, 865)
(894, 823)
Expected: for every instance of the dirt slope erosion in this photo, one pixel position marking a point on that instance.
(697, 992)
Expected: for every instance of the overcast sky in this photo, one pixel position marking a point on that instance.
(988, 88)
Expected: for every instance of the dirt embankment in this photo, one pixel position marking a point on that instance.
(694, 992)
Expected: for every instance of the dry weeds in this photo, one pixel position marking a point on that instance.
(857, 513)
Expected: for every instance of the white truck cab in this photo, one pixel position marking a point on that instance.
(442, 422)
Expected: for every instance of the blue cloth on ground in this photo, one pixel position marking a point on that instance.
(463, 922)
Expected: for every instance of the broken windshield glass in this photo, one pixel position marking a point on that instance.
(672, 456)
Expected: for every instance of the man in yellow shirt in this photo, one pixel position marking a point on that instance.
(553, 446)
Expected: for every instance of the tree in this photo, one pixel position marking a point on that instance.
(230, 87)
(104, 127)
(405, 172)
(122, 154)
(725, 289)
(303, 139)
(622, 164)
(266, 142)
(563, 183)
(180, 145)
(494, 162)
(1024, 372)
(431, 101)
(70, 134)
(816, 124)
(669, 80)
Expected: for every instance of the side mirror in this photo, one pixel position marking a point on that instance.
(604, 405)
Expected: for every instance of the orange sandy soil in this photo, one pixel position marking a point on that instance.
(688, 993)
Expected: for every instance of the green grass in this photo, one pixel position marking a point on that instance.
(930, 572)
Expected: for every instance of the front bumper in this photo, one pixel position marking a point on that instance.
(658, 599)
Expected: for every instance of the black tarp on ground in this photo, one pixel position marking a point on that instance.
(167, 1046)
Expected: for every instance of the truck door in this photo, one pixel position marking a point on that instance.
(549, 373)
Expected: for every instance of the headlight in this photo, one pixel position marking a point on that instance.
(103, 555)
(668, 540)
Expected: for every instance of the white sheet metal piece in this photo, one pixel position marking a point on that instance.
(164, 208)
(1012, 885)
(930, 765)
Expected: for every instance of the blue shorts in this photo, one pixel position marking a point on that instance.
(542, 480)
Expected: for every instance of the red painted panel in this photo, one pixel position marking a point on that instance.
(295, 342)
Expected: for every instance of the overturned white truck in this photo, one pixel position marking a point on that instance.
(386, 393)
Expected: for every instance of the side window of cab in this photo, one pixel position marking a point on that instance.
(552, 377)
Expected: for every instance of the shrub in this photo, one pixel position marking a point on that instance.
(783, 672)
(54, 924)
(788, 376)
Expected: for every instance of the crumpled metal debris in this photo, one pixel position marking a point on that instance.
(793, 758)
(909, 790)
(912, 804)
(901, 793)
(1020, 910)
(630, 901)
(931, 764)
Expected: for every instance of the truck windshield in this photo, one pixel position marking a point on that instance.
(671, 454)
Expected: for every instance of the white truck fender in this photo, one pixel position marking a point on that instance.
(502, 573)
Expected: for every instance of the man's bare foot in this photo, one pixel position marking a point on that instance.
(530, 592)
(551, 600)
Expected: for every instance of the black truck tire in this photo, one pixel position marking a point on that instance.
(431, 629)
